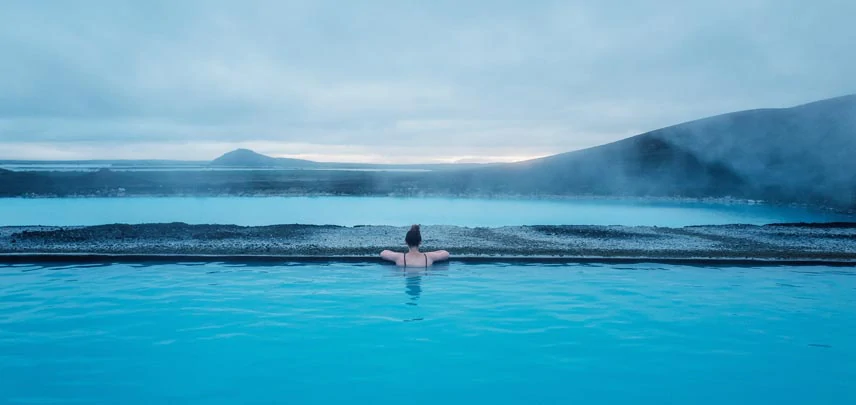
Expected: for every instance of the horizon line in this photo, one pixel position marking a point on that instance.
(307, 157)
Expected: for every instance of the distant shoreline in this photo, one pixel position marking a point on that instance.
(496, 183)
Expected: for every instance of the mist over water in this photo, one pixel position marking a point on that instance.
(792, 155)
(800, 154)
(805, 152)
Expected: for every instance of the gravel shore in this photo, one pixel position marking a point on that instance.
(778, 242)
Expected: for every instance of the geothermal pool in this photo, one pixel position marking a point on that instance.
(334, 333)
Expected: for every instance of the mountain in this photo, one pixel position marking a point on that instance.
(248, 158)
(802, 154)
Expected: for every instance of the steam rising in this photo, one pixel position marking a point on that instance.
(800, 154)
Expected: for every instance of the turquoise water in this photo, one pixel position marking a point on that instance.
(349, 211)
(460, 334)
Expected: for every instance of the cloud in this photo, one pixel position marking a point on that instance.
(485, 77)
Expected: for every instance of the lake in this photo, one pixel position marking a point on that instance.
(350, 211)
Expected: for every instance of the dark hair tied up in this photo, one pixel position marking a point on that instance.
(413, 237)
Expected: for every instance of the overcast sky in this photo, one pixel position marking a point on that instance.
(398, 81)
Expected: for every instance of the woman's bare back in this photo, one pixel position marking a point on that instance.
(415, 258)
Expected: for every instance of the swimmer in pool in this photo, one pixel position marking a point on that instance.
(414, 258)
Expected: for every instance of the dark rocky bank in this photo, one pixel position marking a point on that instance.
(781, 242)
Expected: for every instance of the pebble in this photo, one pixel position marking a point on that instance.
(771, 243)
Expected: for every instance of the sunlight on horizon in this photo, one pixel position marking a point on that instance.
(207, 151)
(376, 159)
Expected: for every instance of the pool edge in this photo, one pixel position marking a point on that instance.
(37, 258)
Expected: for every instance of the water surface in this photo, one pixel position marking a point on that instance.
(460, 334)
(349, 211)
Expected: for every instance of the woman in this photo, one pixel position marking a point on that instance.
(414, 258)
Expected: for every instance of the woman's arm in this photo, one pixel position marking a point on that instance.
(389, 255)
(438, 255)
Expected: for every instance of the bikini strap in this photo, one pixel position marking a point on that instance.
(426, 259)
(405, 259)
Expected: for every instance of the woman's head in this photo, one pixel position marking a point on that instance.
(413, 237)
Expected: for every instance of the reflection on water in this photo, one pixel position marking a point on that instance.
(413, 278)
(413, 286)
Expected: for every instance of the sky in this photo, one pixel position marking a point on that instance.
(398, 81)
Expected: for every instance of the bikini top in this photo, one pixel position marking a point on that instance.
(426, 259)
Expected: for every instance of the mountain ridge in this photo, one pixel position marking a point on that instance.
(799, 153)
